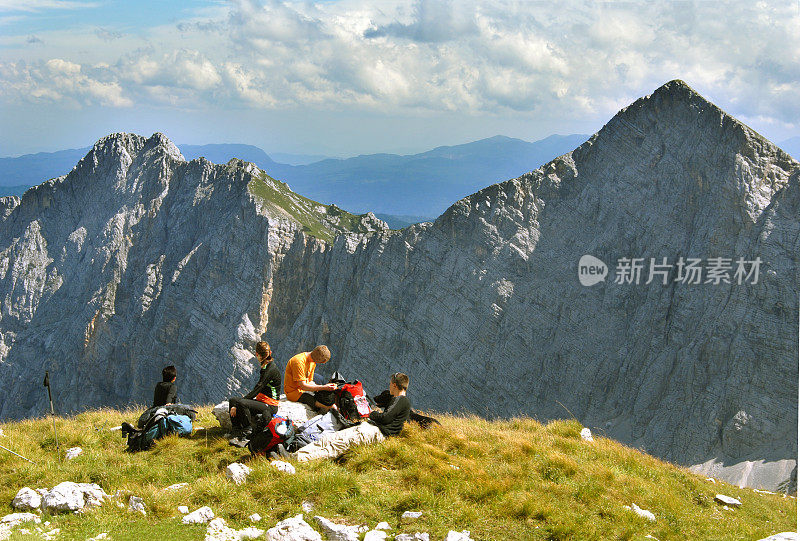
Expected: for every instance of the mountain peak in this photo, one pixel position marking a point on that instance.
(131, 144)
(677, 87)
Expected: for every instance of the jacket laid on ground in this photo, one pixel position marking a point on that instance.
(391, 420)
(166, 392)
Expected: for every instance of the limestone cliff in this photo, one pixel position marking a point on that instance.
(137, 259)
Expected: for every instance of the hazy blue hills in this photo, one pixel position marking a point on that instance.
(422, 184)
(403, 189)
(222, 153)
(32, 169)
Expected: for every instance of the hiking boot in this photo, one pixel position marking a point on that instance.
(238, 442)
(283, 452)
(127, 428)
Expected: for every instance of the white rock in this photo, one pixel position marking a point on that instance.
(458, 536)
(383, 526)
(411, 514)
(293, 529)
(711, 479)
(26, 499)
(68, 496)
(223, 415)
(763, 491)
(177, 486)
(237, 472)
(586, 435)
(255, 517)
(218, 531)
(644, 513)
(412, 537)
(136, 505)
(338, 532)
(296, 412)
(785, 536)
(375, 535)
(182, 509)
(73, 452)
(249, 533)
(284, 466)
(727, 500)
(15, 519)
(52, 534)
(199, 516)
(307, 507)
(454, 467)
(1, 433)
(98, 537)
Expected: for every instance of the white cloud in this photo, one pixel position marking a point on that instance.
(59, 80)
(565, 60)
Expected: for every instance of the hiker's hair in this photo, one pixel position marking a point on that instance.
(169, 373)
(321, 354)
(263, 351)
(400, 380)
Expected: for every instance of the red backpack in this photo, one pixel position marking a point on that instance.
(278, 430)
(352, 401)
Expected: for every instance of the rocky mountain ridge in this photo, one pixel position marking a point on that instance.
(139, 259)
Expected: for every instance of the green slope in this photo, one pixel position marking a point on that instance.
(511, 479)
(322, 221)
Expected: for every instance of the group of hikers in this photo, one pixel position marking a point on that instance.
(346, 415)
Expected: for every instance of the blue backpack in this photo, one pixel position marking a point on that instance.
(176, 424)
(159, 425)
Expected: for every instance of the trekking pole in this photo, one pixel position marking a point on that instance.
(19, 455)
(52, 410)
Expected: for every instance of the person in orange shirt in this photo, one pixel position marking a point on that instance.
(298, 381)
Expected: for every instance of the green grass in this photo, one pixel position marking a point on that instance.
(513, 479)
(318, 220)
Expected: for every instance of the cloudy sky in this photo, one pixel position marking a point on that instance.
(354, 76)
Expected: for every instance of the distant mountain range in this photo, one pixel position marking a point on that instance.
(403, 189)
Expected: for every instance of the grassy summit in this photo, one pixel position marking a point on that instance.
(321, 221)
(513, 479)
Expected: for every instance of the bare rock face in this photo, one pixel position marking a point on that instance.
(138, 259)
(485, 311)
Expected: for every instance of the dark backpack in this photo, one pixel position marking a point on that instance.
(278, 430)
(352, 401)
(159, 424)
(172, 409)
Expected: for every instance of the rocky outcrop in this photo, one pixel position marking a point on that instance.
(138, 259)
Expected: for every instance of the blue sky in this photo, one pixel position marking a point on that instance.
(348, 77)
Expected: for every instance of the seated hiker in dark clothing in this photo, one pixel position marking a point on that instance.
(262, 399)
(166, 391)
(377, 428)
